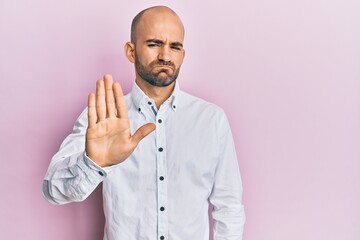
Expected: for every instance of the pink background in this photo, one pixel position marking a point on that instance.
(286, 72)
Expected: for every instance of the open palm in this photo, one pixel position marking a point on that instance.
(108, 137)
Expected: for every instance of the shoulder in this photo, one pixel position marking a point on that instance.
(199, 105)
(204, 115)
(203, 112)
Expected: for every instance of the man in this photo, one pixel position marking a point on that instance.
(161, 187)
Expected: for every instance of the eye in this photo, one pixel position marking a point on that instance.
(176, 47)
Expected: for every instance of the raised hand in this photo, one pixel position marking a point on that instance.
(108, 137)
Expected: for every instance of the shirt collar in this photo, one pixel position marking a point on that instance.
(139, 97)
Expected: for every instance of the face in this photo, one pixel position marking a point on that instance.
(158, 51)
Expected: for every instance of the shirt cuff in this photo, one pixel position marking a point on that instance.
(103, 171)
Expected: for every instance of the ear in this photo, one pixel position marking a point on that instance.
(130, 51)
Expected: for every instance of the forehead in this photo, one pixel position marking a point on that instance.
(162, 26)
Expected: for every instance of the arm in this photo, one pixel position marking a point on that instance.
(103, 135)
(226, 196)
(72, 176)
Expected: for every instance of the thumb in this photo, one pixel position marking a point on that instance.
(142, 132)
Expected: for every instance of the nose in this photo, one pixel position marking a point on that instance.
(164, 54)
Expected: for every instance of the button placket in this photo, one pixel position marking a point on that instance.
(161, 173)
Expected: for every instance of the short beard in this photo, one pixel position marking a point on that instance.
(154, 78)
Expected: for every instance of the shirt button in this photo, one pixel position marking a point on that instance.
(139, 109)
(161, 178)
(162, 209)
(101, 173)
(162, 238)
(161, 149)
(159, 121)
(149, 103)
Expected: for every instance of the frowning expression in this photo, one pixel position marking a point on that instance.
(158, 48)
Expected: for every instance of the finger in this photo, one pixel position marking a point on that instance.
(120, 101)
(109, 96)
(100, 100)
(92, 117)
(142, 132)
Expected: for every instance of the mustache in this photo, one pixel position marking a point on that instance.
(162, 63)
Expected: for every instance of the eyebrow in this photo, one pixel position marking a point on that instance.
(154, 41)
(177, 44)
(158, 41)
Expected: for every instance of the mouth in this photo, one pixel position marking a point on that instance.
(164, 66)
(163, 69)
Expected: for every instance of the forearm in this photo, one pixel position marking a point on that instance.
(72, 176)
(71, 179)
(228, 212)
(229, 222)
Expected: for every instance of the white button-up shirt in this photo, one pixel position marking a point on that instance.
(163, 190)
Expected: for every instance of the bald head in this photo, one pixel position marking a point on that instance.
(156, 47)
(149, 14)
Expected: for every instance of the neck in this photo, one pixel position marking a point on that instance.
(158, 94)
